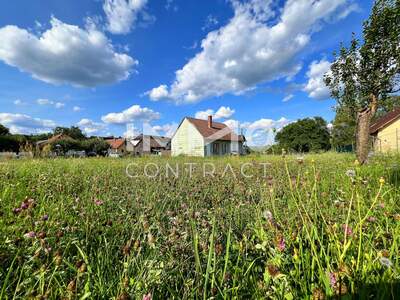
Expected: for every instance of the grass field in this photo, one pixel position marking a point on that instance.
(313, 228)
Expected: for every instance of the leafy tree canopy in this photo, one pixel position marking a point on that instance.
(310, 134)
(73, 132)
(4, 130)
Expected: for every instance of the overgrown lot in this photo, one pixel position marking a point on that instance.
(316, 227)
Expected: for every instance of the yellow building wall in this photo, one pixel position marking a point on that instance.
(388, 139)
(187, 141)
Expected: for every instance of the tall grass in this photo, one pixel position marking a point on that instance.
(317, 227)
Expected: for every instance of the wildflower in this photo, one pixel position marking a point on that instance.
(318, 294)
(42, 235)
(382, 205)
(397, 217)
(382, 181)
(332, 279)
(347, 230)
(273, 270)
(356, 162)
(98, 202)
(385, 262)
(45, 217)
(268, 216)
(30, 235)
(147, 297)
(351, 173)
(17, 210)
(371, 219)
(281, 244)
(24, 205)
(300, 160)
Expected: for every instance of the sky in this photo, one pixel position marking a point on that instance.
(121, 67)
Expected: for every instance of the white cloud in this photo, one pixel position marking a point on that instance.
(19, 102)
(165, 130)
(90, 127)
(76, 108)
(158, 93)
(222, 113)
(24, 124)
(65, 54)
(59, 105)
(315, 86)
(122, 14)
(50, 102)
(262, 132)
(210, 22)
(288, 97)
(130, 115)
(251, 49)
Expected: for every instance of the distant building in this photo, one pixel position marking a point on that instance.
(149, 144)
(195, 137)
(386, 132)
(117, 146)
(40, 144)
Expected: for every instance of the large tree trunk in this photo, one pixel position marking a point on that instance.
(363, 125)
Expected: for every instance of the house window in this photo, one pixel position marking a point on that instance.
(215, 148)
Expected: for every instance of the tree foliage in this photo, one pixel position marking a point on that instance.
(73, 132)
(310, 134)
(364, 74)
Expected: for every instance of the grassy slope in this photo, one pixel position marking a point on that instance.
(279, 235)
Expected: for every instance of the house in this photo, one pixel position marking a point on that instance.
(195, 137)
(386, 132)
(149, 144)
(117, 146)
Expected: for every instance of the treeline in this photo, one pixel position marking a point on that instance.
(73, 139)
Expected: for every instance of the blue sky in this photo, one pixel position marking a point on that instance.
(105, 64)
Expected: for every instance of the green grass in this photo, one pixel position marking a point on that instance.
(280, 236)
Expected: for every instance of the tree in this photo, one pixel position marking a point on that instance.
(4, 130)
(343, 129)
(310, 134)
(364, 74)
(73, 132)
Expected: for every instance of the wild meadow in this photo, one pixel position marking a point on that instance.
(314, 227)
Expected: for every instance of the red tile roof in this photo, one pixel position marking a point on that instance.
(218, 131)
(116, 143)
(386, 120)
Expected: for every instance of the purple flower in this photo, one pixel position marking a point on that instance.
(147, 297)
(30, 235)
(347, 230)
(98, 202)
(281, 244)
(17, 210)
(371, 219)
(24, 205)
(45, 217)
(332, 279)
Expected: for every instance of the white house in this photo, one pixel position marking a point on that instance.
(195, 137)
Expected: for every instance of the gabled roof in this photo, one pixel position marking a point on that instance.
(386, 120)
(116, 143)
(218, 131)
(155, 141)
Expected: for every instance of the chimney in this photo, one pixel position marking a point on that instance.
(209, 121)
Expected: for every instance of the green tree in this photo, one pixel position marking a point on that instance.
(4, 130)
(310, 134)
(364, 74)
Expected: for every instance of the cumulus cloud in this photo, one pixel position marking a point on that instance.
(123, 14)
(65, 54)
(24, 124)
(254, 47)
(262, 132)
(315, 86)
(222, 113)
(90, 127)
(167, 130)
(50, 102)
(131, 115)
(159, 93)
